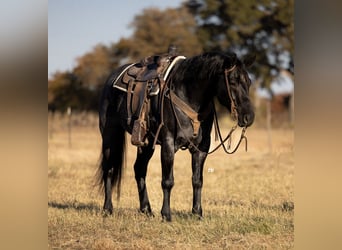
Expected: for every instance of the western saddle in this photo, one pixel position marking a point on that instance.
(142, 82)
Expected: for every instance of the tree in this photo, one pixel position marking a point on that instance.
(65, 90)
(262, 27)
(93, 68)
(155, 30)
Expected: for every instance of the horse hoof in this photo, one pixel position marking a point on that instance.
(106, 213)
(200, 217)
(166, 218)
(147, 211)
(197, 212)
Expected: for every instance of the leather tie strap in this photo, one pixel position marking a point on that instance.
(192, 114)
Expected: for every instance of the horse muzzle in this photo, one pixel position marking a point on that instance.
(246, 120)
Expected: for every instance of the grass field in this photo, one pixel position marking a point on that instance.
(247, 197)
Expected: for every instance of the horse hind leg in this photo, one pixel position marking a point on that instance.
(140, 170)
(107, 182)
(112, 165)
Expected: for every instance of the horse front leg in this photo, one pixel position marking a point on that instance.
(198, 159)
(167, 159)
(140, 169)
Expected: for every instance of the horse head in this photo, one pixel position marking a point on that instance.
(233, 89)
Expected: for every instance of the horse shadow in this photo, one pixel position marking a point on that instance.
(93, 208)
(75, 205)
(183, 215)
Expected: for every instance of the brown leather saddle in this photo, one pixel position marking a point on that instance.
(142, 81)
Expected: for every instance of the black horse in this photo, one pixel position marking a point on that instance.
(195, 81)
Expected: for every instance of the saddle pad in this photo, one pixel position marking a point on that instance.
(177, 58)
(115, 81)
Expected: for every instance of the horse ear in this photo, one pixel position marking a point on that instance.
(232, 58)
(248, 60)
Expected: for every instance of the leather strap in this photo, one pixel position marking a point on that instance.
(192, 114)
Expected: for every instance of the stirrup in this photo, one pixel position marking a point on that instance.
(138, 133)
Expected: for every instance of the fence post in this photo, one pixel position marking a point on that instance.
(291, 109)
(69, 125)
(269, 123)
(51, 121)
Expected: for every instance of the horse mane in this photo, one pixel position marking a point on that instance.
(208, 64)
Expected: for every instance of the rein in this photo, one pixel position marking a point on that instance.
(217, 128)
(228, 137)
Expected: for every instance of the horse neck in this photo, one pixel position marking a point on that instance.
(196, 92)
(195, 80)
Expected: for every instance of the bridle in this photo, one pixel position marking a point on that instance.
(175, 100)
(233, 108)
(234, 115)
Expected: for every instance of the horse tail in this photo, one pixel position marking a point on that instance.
(112, 162)
(112, 158)
(119, 167)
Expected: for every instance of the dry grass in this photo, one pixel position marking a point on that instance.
(247, 197)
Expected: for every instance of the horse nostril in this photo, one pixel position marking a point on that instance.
(246, 119)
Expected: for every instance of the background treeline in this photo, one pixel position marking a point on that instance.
(263, 27)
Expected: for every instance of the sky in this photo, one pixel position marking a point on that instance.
(76, 26)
